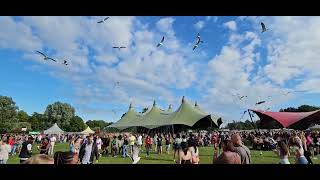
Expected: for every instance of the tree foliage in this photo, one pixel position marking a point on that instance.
(97, 124)
(22, 116)
(76, 125)
(8, 110)
(60, 113)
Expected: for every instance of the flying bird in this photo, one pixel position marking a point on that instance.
(119, 47)
(65, 62)
(103, 20)
(161, 42)
(116, 84)
(260, 102)
(45, 57)
(242, 97)
(198, 42)
(263, 28)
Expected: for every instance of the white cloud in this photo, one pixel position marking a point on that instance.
(164, 25)
(17, 35)
(232, 25)
(199, 25)
(213, 18)
(144, 71)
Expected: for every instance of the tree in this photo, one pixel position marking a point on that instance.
(23, 116)
(60, 113)
(94, 124)
(39, 122)
(8, 110)
(76, 125)
(8, 113)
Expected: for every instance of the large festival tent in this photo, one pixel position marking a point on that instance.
(54, 130)
(186, 115)
(300, 120)
(87, 131)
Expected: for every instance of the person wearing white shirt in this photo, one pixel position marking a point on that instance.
(139, 142)
(53, 140)
(5, 149)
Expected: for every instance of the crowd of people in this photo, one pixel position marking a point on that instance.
(228, 147)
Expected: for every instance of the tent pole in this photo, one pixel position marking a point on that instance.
(252, 121)
(172, 129)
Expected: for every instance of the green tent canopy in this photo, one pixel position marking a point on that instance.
(186, 114)
(124, 122)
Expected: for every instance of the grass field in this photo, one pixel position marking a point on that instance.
(206, 156)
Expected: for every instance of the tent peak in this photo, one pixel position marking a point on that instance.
(154, 102)
(130, 106)
(182, 99)
(196, 104)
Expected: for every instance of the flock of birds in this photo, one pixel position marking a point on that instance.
(197, 43)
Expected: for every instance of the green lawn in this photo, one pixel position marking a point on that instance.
(206, 155)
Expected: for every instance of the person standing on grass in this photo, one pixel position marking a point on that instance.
(192, 145)
(120, 145)
(5, 149)
(177, 147)
(148, 144)
(228, 156)
(155, 141)
(99, 144)
(159, 144)
(44, 146)
(132, 141)
(185, 156)
(135, 154)
(283, 152)
(125, 146)
(26, 150)
(241, 149)
(139, 142)
(307, 153)
(114, 148)
(53, 140)
(88, 151)
(168, 143)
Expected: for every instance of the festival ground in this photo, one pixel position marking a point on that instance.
(206, 156)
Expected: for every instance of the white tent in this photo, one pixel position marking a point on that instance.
(87, 131)
(54, 130)
(315, 128)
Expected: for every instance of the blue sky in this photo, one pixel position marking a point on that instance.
(234, 58)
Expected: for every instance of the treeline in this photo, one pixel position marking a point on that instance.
(12, 119)
(248, 124)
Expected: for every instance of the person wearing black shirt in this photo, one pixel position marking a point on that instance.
(159, 144)
(26, 150)
(125, 147)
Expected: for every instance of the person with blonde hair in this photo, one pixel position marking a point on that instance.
(39, 159)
